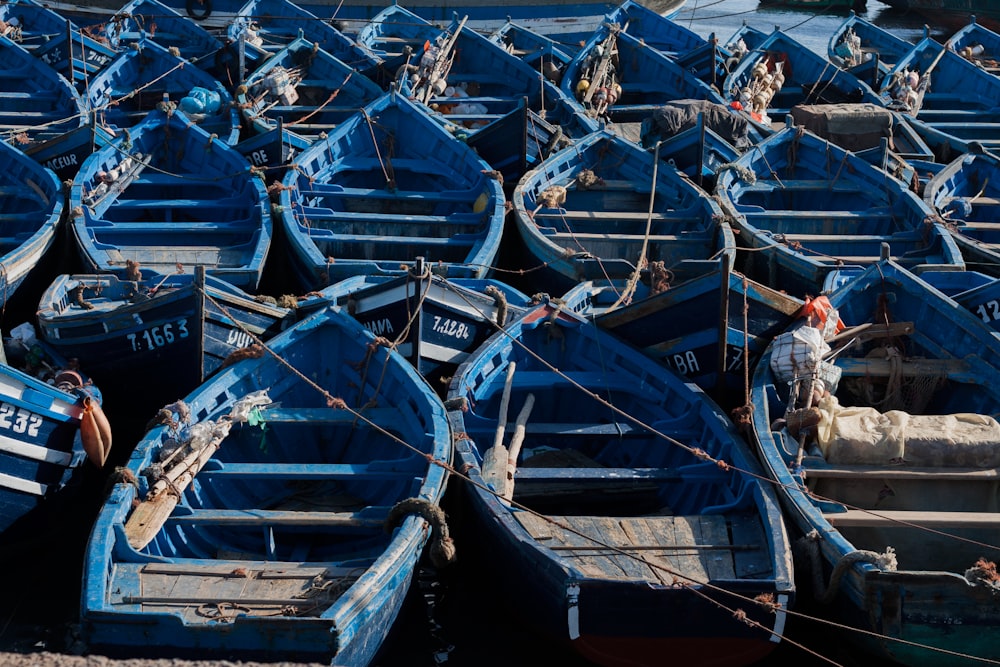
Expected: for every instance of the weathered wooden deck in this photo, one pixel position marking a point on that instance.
(203, 592)
(654, 548)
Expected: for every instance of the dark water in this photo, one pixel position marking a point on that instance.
(452, 617)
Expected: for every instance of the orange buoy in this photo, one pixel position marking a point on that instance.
(95, 431)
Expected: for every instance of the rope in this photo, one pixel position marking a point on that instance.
(826, 593)
(442, 549)
(633, 280)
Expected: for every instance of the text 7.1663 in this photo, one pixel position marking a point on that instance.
(158, 336)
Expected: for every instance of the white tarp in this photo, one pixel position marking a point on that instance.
(865, 436)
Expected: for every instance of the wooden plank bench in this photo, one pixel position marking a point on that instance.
(462, 240)
(370, 517)
(889, 472)
(922, 518)
(387, 418)
(303, 471)
(640, 216)
(348, 217)
(332, 190)
(596, 475)
(862, 367)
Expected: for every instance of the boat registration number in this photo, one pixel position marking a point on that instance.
(687, 363)
(449, 327)
(989, 311)
(19, 420)
(158, 336)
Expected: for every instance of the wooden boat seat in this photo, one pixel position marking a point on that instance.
(887, 472)
(596, 475)
(838, 238)
(302, 471)
(28, 118)
(443, 241)
(640, 216)
(332, 221)
(303, 109)
(863, 367)
(673, 239)
(383, 417)
(144, 228)
(332, 190)
(573, 428)
(355, 163)
(802, 184)
(752, 212)
(922, 518)
(978, 227)
(369, 517)
(44, 95)
(222, 204)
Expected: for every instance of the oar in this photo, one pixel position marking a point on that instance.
(495, 460)
(150, 515)
(515, 446)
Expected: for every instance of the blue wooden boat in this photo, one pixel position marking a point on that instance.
(30, 217)
(619, 78)
(605, 208)
(596, 517)
(697, 137)
(703, 56)
(977, 44)
(966, 195)
(169, 197)
(863, 128)
(710, 329)
(55, 435)
(571, 23)
(894, 525)
(935, 86)
(467, 79)
(780, 73)
(865, 49)
(36, 102)
(271, 152)
(307, 89)
(472, 84)
(434, 322)
(142, 77)
(296, 526)
(73, 52)
(977, 292)
(806, 206)
(544, 54)
(150, 20)
(179, 329)
(385, 186)
(65, 153)
(267, 26)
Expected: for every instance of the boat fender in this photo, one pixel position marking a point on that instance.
(480, 204)
(442, 549)
(95, 431)
(199, 10)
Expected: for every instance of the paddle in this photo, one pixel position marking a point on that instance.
(495, 460)
(148, 516)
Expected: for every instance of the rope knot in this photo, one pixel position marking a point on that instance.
(442, 547)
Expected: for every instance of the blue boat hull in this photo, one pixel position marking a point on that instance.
(324, 580)
(860, 507)
(572, 525)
